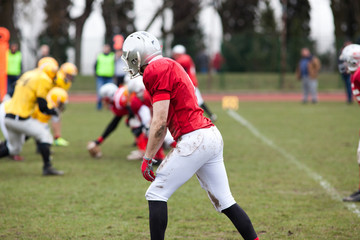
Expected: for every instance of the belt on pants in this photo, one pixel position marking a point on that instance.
(16, 117)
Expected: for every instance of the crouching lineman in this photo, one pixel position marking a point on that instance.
(351, 55)
(56, 98)
(64, 79)
(31, 89)
(4, 130)
(122, 104)
(199, 148)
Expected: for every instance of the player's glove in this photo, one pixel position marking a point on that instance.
(94, 149)
(147, 169)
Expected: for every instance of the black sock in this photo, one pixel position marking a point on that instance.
(241, 221)
(158, 219)
(4, 151)
(44, 149)
(206, 109)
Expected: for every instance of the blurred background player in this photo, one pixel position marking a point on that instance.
(179, 55)
(31, 89)
(141, 107)
(351, 55)
(56, 98)
(345, 75)
(104, 71)
(64, 79)
(123, 103)
(115, 99)
(14, 67)
(4, 131)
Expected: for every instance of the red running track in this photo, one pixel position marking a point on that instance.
(256, 97)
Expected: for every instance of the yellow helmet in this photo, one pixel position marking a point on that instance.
(49, 66)
(66, 75)
(56, 97)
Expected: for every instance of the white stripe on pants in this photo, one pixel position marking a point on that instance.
(199, 152)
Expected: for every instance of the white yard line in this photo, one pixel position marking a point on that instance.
(315, 176)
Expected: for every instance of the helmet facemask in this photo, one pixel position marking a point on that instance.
(132, 64)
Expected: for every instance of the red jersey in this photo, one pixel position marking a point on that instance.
(355, 84)
(166, 80)
(187, 63)
(118, 106)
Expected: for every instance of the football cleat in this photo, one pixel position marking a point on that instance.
(61, 142)
(355, 197)
(135, 155)
(50, 171)
(17, 158)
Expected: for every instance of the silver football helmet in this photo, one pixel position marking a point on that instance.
(138, 50)
(351, 55)
(107, 91)
(179, 49)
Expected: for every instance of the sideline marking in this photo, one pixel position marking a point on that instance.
(319, 179)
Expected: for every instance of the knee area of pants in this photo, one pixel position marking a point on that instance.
(152, 196)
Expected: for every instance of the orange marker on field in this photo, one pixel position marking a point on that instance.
(230, 102)
(4, 46)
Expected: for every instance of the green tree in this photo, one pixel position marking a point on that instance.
(56, 32)
(238, 22)
(346, 21)
(186, 30)
(7, 9)
(267, 46)
(297, 31)
(79, 22)
(119, 18)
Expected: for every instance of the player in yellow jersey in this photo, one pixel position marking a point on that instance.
(64, 79)
(31, 89)
(57, 97)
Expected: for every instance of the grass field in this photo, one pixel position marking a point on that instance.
(270, 174)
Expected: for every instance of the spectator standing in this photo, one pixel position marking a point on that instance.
(119, 68)
(307, 71)
(44, 51)
(345, 75)
(14, 67)
(203, 61)
(104, 70)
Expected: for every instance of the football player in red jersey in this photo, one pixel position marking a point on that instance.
(351, 55)
(199, 148)
(179, 55)
(122, 103)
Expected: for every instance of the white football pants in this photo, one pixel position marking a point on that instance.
(199, 152)
(18, 129)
